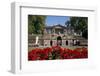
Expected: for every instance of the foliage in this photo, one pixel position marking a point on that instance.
(36, 24)
(57, 52)
(80, 24)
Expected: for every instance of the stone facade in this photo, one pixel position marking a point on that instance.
(59, 29)
(55, 35)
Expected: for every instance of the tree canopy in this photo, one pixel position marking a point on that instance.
(80, 24)
(36, 24)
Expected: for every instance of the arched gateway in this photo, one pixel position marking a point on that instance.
(59, 41)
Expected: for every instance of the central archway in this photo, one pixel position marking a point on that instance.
(59, 41)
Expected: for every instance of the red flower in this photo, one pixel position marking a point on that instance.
(76, 54)
(57, 52)
(84, 53)
(32, 55)
(47, 50)
(43, 55)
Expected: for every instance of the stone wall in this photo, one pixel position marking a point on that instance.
(46, 42)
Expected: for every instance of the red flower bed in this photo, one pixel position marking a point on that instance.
(57, 52)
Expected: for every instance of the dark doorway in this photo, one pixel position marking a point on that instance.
(51, 43)
(66, 42)
(59, 41)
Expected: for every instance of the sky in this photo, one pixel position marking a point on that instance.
(51, 20)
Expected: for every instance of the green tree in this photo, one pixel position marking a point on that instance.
(67, 23)
(36, 24)
(80, 24)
